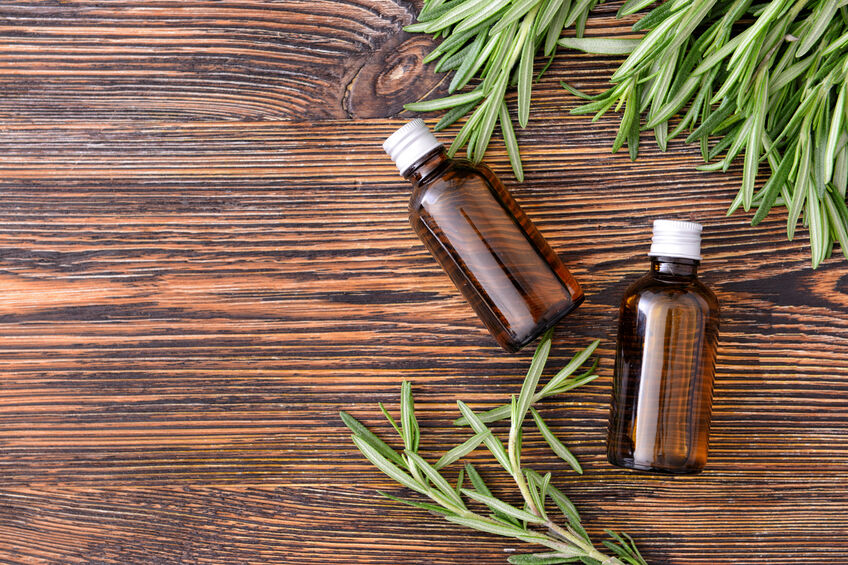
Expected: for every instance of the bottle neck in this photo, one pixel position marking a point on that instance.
(674, 267)
(427, 167)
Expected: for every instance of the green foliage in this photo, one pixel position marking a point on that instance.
(531, 524)
(767, 79)
(497, 42)
(766, 83)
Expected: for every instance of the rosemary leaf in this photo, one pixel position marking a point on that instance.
(547, 13)
(477, 480)
(601, 46)
(531, 381)
(568, 509)
(558, 384)
(490, 526)
(458, 13)
(824, 16)
(453, 115)
(459, 480)
(515, 12)
(543, 488)
(386, 466)
(422, 505)
(556, 445)
(772, 188)
(365, 434)
(752, 150)
(409, 425)
(503, 507)
(446, 102)
(534, 488)
(462, 449)
(551, 558)
(800, 191)
(834, 133)
(620, 552)
(494, 444)
(575, 363)
(837, 222)
(634, 551)
(491, 10)
(390, 419)
(511, 143)
(436, 478)
(525, 82)
(627, 548)
(473, 60)
(633, 6)
(579, 8)
(480, 486)
(556, 27)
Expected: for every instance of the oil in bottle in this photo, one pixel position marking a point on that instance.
(665, 360)
(477, 232)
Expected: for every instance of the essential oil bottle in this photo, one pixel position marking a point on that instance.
(665, 360)
(492, 252)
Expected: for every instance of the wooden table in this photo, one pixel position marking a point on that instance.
(205, 255)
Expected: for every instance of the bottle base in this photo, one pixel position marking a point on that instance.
(627, 463)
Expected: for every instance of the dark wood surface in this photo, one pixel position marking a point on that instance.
(204, 255)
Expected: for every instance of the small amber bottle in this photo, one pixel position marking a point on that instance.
(665, 360)
(492, 252)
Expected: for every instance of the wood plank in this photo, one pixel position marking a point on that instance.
(279, 524)
(187, 306)
(194, 60)
(201, 60)
(205, 255)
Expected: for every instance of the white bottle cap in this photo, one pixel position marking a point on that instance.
(410, 143)
(673, 238)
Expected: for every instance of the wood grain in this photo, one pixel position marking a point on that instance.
(204, 255)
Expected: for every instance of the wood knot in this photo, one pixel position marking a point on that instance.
(394, 75)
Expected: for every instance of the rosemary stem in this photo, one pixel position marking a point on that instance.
(568, 536)
(414, 470)
(517, 475)
(569, 547)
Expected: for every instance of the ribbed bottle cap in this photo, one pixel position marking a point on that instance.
(410, 143)
(673, 238)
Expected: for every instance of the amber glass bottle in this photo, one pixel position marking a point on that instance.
(476, 231)
(665, 360)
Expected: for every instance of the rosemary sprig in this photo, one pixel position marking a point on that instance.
(529, 522)
(497, 41)
(769, 79)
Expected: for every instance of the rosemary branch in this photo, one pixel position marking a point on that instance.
(764, 82)
(497, 41)
(530, 523)
(769, 80)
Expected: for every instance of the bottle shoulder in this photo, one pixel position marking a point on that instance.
(458, 175)
(650, 290)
